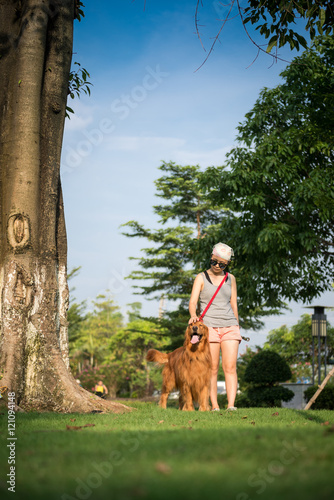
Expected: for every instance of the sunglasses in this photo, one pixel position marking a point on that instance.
(222, 265)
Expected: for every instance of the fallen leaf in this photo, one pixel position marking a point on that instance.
(189, 422)
(243, 418)
(89, 425)
(72, 419)
(252, 422)
(163, 468)
(138, 492)
(325, 423)
(161, 422)
(275, 414)
(73, 427)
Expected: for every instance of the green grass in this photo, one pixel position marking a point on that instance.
(163, 454)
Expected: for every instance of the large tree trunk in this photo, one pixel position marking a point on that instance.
(35, 58)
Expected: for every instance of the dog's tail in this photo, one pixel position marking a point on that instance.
(157, 356)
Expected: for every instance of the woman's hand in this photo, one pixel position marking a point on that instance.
(193, 319)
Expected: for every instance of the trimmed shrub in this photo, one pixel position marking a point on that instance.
(267, 367)
(264, 371)
(325, 400)
(268, 396)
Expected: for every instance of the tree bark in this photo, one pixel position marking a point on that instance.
(35, 57)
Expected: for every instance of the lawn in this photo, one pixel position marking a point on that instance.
(267, 453)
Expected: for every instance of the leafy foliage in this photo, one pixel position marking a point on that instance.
(91, 345)
(325, 400)
(79, 13)
(276, 20)
(263, 373)
(295, 346)
(181, 251)
(76, 314)
(267, 367)
(168, 266)
(78, 82)
(278, 184)
(268, 396)
(104, 349)
(282, 22)
(127, 353)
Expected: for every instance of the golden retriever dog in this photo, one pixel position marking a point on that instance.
(187, 369)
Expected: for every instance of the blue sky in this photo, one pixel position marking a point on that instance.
(149, 104)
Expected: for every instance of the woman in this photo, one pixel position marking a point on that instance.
(100, 389)
(221, 319)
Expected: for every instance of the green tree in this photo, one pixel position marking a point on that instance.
(279, 181)
(91, 347)
(181, 251)
(168, 265)
(76, 313)
(127, 354)
(295, 346)
(36, 46)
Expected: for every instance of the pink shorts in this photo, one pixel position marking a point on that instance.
(224, 333)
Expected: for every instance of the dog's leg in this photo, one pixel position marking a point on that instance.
(165, 390)
(168, 383)
(187, 398)
(203, 400)
(163, 399)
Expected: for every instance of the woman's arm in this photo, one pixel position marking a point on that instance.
(197, 287)
(234, 298)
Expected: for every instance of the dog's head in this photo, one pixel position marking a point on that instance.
(197, 336)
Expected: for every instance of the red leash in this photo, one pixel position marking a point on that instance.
(212, 298)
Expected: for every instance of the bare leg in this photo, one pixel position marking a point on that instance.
(215, 350)
(229, 362)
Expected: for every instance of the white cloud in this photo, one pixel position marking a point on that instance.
(82, 117)
(77, 122)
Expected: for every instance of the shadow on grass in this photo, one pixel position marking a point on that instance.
(310, 415)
